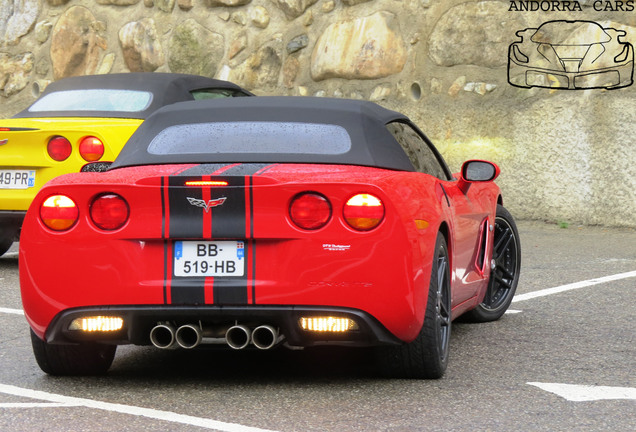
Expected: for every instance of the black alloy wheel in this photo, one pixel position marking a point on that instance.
(505, 266)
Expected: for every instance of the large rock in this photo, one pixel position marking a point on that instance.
(262, 69)
(15, 72)
(195, 49)
(140, 45)
(474, 34)
(76, 44)
(364, 48)
(17, 18)
(293, 8)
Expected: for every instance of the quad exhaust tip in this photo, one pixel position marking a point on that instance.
(163, 336)
(188, 336)
(239, 336)
(264, 337)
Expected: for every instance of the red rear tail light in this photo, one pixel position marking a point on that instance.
(310, 210)
(59, 212)
(109, 212)
(59, 148)
(91, 148)
(364, 212)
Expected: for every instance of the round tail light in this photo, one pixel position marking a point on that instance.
(364, 212)
(310, 210)
(59, 148)
(59, 212)
(109, 212)
(91, 148)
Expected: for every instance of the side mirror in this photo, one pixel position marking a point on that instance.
(96, 167)
(477, 171)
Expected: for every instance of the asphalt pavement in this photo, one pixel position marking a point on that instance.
(563, 359)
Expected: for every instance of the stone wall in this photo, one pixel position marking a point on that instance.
(565, 155)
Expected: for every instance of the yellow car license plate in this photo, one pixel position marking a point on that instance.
(17, 179)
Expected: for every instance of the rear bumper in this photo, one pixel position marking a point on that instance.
(139, 321)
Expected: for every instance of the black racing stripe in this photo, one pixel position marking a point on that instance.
(188, 290)
(166, 276)
(228, 222)
(163, 209)
(252, 242)
(186, 219)
(228, 219)
(230, 291)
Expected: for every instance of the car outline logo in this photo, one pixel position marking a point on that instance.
(4, 141)
(207, 206)
(571, 55)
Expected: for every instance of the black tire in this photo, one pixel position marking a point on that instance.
(504, 275)
(8, 234)
(427, 355)
(5, 245)
(81, 359)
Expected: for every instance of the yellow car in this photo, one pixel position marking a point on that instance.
(80, 120)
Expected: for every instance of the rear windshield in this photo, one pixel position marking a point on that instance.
(251, 137)
(94, 100)
(215, 94)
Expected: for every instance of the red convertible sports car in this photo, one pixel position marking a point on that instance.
(259, 222)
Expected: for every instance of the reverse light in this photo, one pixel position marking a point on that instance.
(91, 148)
(310, 210)
(59, 212)
(327, 324)
(109, 212)
(97, 324)
(211, 183)
(59, 148)
(364, 212)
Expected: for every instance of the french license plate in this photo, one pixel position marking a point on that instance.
(17, 179)
(209, 258)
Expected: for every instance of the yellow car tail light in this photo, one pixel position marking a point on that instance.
(91, 149)
(59, 148)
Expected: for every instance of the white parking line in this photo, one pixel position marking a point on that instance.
(573, 286)
(586, 393)
(127, 409)
(34, 405)
(12, 311)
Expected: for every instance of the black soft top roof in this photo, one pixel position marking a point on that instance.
(166, 88)
(371, 143)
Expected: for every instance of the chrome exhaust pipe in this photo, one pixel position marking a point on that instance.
(188, 336)
(264, 337)
(163, 336)
(238, 336)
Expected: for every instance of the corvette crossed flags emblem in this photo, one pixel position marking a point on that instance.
(207, 206)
